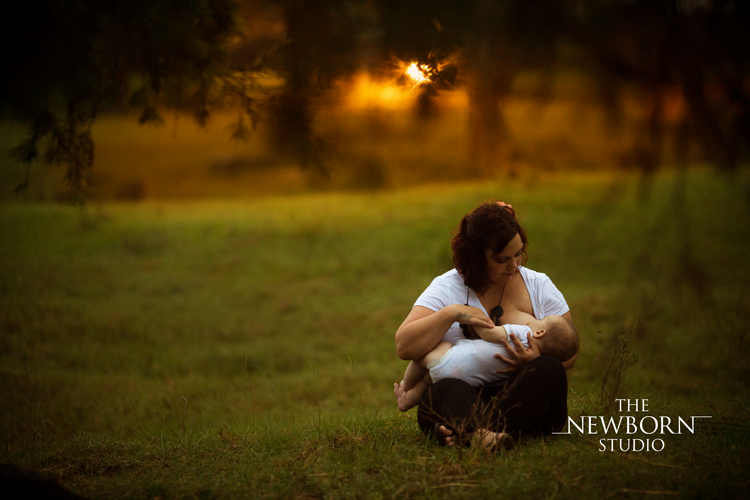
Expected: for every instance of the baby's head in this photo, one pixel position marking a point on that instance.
(555, 336)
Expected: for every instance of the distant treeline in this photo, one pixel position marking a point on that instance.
(71, 59)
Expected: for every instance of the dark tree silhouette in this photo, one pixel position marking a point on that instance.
(491, 41)
(697, 50)
(322, 44)
(72, 58)
(66, 59)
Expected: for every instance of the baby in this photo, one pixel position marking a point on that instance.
(474, 361)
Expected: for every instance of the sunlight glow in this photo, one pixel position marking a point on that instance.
(419, 73)
(367, 92)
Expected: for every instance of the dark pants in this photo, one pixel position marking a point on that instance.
(534, 403)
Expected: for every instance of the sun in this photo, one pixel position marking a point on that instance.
(419, 73)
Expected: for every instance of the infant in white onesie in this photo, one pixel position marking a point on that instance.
(474, 361)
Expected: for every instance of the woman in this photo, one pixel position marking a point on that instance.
(489, 286)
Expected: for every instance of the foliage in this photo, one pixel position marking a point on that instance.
(693, 53)
(69, 58)
(322, 44)
(667, 53)
(685, 63)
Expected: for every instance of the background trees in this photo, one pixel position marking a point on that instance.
(67, 59)
(70, 59)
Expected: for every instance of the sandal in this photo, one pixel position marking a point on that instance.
(501, 441)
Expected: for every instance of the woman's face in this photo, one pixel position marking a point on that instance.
(504, 265)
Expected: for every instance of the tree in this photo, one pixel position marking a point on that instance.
(78, 57)
(66, 59)
(492, 41)
(699, 51)
(322, 44)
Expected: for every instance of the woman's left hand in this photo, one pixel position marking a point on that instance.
(518, 356)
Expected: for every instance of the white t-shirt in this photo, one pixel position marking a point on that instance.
(449, 288)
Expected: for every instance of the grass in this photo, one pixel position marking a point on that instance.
(231, 349)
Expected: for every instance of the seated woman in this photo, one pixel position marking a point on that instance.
(489, 248)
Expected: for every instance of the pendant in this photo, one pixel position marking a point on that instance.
(497, 311)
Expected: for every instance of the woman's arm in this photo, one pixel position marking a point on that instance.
(423, 328)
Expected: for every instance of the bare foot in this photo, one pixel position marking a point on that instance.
(490, 441)
(447, 435)
(402, 396)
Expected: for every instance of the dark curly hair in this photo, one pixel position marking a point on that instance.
(490, 226)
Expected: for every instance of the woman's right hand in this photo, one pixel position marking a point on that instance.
(423, 328)
(469, 315)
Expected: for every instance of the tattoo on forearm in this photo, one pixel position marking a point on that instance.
(463, 317)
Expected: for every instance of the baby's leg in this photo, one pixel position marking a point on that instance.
(409, 398)
(435, 354)
(413, 374)
(418, 369)
(417, 378)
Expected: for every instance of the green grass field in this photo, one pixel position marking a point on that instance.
(236, 349)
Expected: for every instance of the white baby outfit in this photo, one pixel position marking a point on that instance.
(474, 361)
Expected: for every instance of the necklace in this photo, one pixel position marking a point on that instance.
(497, 311)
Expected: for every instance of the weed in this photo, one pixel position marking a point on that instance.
(622, 359)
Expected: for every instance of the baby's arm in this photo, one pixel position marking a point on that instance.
(494, 334)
